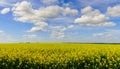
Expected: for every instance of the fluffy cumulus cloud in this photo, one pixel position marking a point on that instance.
(93, 17)
(114, 11)
(68, 11)
(5, 10)
(23, 11)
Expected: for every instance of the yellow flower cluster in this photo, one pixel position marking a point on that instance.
(59, 56)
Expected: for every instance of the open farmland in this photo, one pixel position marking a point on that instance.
(59, 56)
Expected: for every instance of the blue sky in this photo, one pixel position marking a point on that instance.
(60, 21)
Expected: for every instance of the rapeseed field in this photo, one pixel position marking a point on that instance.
(59, 56)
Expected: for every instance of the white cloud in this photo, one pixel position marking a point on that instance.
(31, 36)
(109, 24)
(104, 24)
(98, 34)
(93, 17)
(114, 11)
(70, 26)
(108, 36)
(49, 1)
(5, 37)
(38, 27)
(63, 20)
(58, 32)
(5, 10)
(102, 35)
(8, 3)
(4, 3)
(68, 11)
(24, 12)
(1, 31)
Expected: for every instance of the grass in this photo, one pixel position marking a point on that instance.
(59, 56)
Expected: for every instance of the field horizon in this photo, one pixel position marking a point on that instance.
(61, 42)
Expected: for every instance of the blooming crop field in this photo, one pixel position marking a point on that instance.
(59, 56)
